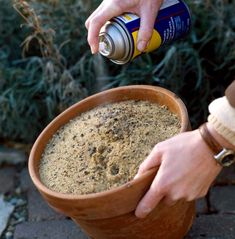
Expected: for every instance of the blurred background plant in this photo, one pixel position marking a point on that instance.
(46, 64)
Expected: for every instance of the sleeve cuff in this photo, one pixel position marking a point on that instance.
(222, 117)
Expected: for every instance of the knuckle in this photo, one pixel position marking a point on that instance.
(86, 23)
(116, 3)
(203, 193)
(94, 20)
(119, 4)
(94, 23)
(157, 147)
(146, 33)
(175, 197)
(161, 188)
(177, 194)
(170, 200)
(142, 167)
(190, 198)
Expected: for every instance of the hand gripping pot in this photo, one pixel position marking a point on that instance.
(110, 214)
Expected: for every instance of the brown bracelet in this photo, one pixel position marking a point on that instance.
(209, 139)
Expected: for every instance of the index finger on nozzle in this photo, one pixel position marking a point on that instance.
(95, 24)
(93, 34)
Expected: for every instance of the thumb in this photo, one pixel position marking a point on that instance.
(147, 20)
(152, 161)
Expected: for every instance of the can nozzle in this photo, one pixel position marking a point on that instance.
(102, 46)
(113, 42)
(105, 45)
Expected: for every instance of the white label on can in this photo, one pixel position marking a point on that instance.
(128, 17)
(169, 3)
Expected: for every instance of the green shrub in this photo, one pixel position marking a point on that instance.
(57, 68)
(197, 68)
(49, 78)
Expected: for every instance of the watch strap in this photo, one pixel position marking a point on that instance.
(209, 139)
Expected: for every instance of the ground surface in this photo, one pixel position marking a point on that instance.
(33, 219)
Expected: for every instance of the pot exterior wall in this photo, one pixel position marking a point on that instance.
(110, 214)
(160, 224)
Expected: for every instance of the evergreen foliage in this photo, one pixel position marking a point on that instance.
(46, 64)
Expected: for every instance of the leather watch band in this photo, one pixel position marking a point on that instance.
(209, 139)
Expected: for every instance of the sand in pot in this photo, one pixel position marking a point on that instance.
(103, 148)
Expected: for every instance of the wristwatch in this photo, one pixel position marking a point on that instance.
(225, 157)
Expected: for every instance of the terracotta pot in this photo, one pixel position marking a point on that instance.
(110, 214)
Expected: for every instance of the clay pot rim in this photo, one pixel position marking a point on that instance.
(41, 187)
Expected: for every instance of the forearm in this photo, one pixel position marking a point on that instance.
(222, 115)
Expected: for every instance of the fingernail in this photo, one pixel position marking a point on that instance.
(141, 45)
(143, 212)
(136, 176)
(92, 49)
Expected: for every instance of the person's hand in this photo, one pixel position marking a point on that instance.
(187, 170)
(146, 9)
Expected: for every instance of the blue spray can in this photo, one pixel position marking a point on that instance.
(118, 37)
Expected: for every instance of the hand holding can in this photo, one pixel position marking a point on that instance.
(146, 9)
(119, 36)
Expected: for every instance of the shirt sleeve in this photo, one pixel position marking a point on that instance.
(230, 94)
(222, 114)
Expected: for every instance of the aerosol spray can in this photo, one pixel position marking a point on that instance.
(118, 37)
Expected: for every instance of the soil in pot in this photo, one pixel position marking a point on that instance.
(103, 148)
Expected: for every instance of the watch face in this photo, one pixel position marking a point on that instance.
(228, 160)
(225, 158)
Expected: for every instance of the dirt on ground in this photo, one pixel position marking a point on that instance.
(103, 148)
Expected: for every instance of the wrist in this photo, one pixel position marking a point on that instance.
(223, 151)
